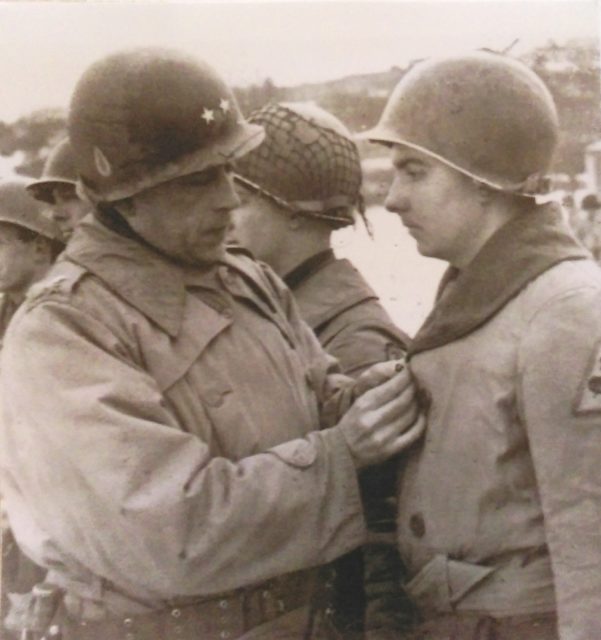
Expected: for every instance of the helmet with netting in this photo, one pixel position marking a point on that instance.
(484, 114)
(307, 163)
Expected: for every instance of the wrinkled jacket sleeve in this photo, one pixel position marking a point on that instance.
(141, 502)
(556, 356)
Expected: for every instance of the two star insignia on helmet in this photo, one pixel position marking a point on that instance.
(208, 115)
(589, 396)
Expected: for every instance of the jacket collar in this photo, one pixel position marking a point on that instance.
(324, 287)
(515, 255)
(305, 269)
(151, 283)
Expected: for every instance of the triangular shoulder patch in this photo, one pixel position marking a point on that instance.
(589, 394)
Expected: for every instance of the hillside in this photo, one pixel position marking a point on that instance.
(571, 71)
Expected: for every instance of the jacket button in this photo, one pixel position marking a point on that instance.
(417, 525)
(176, 613)
(223, 604)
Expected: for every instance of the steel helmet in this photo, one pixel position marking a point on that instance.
(18, 207)
(308, 162)
(484, 114)
(142, 117)
(590, 201)
(58, 169)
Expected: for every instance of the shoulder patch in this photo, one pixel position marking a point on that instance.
(45, 288)
(589, 394)
(58, 283)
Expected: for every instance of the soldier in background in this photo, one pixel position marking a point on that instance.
(57, 188)
(29, 244)
(499, 510)
(300, 185)
(196, 457)
(591, 235)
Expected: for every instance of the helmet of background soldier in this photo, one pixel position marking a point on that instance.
(139, 118)
(484, 114)
(590, 202)
(308, 163)
(59, 169)
(18, 207)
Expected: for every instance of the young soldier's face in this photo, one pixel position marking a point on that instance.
(187, 218)
(438, 205)
(258, 225)
(68, 209)
(19, 260)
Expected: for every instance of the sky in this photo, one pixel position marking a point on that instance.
(45, 46)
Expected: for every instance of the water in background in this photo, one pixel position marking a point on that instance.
(405, 280)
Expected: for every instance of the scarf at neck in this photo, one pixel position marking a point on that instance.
(515, 255)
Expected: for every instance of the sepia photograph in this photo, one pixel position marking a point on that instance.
(300, 320)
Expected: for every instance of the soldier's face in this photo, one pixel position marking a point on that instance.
(187, 218)
(68, 209)
(19, 260)
(259, 225)
(439, 206)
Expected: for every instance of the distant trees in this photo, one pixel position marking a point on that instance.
(255, 96)
(34, 136)
(572, 74)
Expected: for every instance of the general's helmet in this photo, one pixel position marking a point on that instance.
(484, 114)
(308, 162)
(18, 207)
(142, 117)
(59, 169)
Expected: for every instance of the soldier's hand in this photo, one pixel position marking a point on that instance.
(376, 375)
(383, 421)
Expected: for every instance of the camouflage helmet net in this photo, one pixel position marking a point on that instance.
(307, 165)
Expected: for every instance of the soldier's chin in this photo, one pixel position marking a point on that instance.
(209, 256)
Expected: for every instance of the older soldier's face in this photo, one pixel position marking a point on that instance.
(187, 218)
(259, 225)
